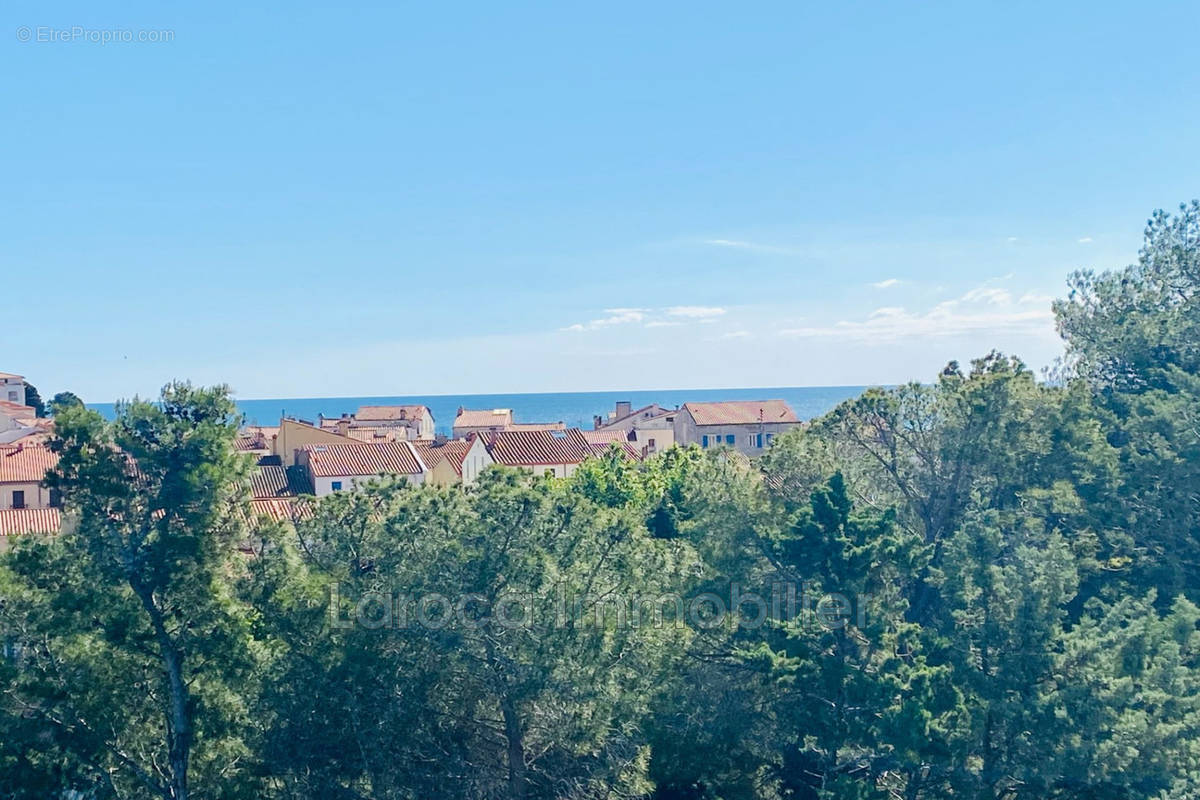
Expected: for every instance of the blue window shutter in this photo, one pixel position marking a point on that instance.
(704, 440)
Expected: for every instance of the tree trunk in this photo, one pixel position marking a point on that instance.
(177, 714)
(516, 749)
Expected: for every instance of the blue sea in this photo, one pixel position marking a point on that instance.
(576, 409)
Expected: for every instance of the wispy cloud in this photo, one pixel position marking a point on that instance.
(1085, 240)
(983, 310)
(743, 244)
(887, 283)
(616, 316)
(695, 312)
(672, 316)
(735, 335)
(987, 294)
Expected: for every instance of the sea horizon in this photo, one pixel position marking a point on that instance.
(574, 409)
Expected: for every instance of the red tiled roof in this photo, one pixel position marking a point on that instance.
(628, 451)
(483, 418)
(25, 463)
(32, 437)
(604, 423)
(535, 448)
(391, 412)
(270, 481)
(280, 508)
(255, 437)
(603, 437)
(16, 409)
(537, 426)
(741, 412)
(362, 458)
(453, 451)
(4, 375)
(14, 521)
(375, 434)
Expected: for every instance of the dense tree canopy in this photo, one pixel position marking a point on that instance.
(985, 586)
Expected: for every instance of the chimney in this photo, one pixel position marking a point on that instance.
(343, 427)
(597, 422)
(460, 410)
(624, 408)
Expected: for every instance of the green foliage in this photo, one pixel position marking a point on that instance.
(982, 587)
(62, 401)
(34, 400)
(133, 649)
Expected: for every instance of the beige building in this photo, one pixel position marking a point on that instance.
(555, 452)
(652, 427)
(469, 421)
(456, 461)
(494, 420)
(12, 389)
(416, 421)
(345, 467)
(748, 426)
(22, 473)
(294, 435)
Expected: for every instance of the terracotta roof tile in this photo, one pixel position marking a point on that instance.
(4, 375)
(255, 437)
(537, 426)
(605, 436)
(535, 448)
(453, 451)
(365, 458)
(280, 509)
(483, 418)
(25, 463)
(16, 521)
(367, 433)
(628, 451)
(391, 413)
(269, 481)
(16, 409)
(741, 412)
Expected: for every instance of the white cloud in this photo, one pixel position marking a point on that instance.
(649, 317)
(695, 312)
(1036, 299)
(887, 284)
(1012, 239)
(754, 247)
(616, 316)
(735, 335)
(1085, 240)
(987, 294)
(983, 311)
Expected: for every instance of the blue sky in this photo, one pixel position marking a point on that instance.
(416, 198)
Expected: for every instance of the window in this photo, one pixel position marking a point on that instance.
(18, 499)
(758, 440)
(770, 438)
(650, 442)
(12, 397)
(704, 440)
(337, 486)
(730, 439)
(55, 498)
